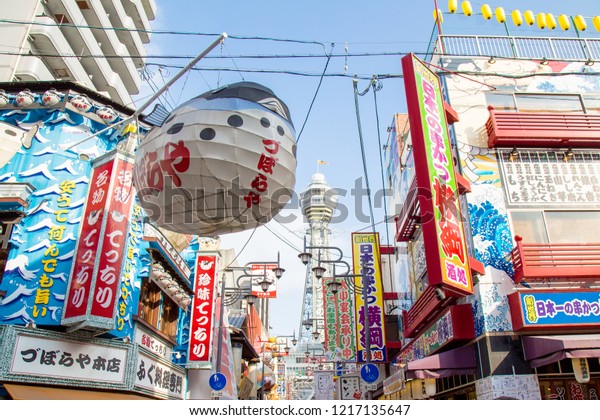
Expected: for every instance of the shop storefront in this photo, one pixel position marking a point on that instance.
(42, 364)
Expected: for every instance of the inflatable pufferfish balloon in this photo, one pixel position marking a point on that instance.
(222, 162)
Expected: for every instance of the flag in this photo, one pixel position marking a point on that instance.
(321, 162)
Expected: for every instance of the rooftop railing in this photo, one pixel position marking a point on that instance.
(535, 48)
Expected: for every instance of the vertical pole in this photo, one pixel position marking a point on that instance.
(220, 338)
(262, 392)
(439, 25)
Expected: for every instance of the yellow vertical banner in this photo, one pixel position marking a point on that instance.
(366, 260)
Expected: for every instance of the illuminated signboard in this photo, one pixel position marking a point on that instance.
(446, 251)
(367, 261)
(202, 319)
(538, 310)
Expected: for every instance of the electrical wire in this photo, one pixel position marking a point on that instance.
(362, 147)
(314, 97)
(282, 239)
(243, 247)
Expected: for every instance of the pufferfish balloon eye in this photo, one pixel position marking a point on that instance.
(222, 162)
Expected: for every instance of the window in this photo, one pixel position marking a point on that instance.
(549, 103)
(544, 102)
(550, 226)
(158, 310)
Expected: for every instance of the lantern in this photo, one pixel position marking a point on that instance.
(51, 97)
(529, 17)
(452, 5)
(580, 23)
(430, 388)
(581, 370)
(466, 8)
(500, 15)
(563, 21)
(3, 98)
(517, 18)
(541, 20)
(437, 14)
(25, 98)
(81, 103)
(550, 21)
(486, 11)
(596, 22)
(222, 162)
(107, 113)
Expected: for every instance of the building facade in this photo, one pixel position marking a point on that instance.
(99, 44)
(511, 144)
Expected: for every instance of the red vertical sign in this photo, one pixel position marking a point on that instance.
(202, 319)
(82, 274)
(120, 200)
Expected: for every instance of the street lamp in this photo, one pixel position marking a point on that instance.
(335, 284)
(230, 295)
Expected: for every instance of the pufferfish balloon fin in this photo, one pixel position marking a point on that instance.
(158, 116)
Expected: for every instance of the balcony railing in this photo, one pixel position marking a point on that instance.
(534, 262)
(507, 129)
(535, 48)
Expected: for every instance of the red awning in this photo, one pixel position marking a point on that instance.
(542, 350)
(460, 361)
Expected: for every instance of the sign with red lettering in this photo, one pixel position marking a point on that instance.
(82, 273)
(92, 295)
(445, 245)
(119, 205)
(202, 319)
(260, 271)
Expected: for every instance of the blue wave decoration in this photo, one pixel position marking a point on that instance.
(491, 230)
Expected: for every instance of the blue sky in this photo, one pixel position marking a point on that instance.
(330, 133)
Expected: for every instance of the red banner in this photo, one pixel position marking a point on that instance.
(202, 322)
(82, 274)
(117, 219)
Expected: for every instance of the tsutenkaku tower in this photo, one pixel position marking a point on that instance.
(318, 202)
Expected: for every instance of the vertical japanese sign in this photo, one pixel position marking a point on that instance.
(446, 251)
(112, 254)
(82, 273)
(339, 323)
(202, 319)
(95, 278)
(366, 260)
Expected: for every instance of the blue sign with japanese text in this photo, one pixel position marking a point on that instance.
(574, 308)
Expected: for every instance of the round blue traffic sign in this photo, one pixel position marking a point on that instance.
(369, 373)
(217, 381)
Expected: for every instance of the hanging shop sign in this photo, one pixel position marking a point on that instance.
(93, 291)
(339, 322)
(202, 317)
(260, 270)
(441, 220)
(366, 259)
(554, 310)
